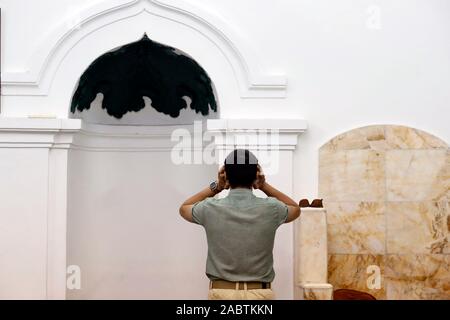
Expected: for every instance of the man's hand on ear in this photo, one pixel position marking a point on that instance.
(222, 182)
(261, 184)
(260, 179)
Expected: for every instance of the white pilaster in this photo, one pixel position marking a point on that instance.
(37, 150)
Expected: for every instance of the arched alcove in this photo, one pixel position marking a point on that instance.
(124, 187)
(386, 190)
(144, 83)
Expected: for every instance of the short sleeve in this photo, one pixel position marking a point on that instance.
(280, 210)
(198, 212)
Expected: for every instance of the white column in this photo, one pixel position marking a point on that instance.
(34, 210)
(273, 141)
(57, 210)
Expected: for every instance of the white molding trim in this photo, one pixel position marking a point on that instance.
(256, 134)
(38, 133)
(108, 138)
(226, 134)
(253, 80)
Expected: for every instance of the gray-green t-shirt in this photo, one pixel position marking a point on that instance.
(240, 230)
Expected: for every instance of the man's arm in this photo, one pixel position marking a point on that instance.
(293, 208)
(261, 184)
(186, 207)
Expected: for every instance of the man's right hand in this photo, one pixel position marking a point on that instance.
(260, 179)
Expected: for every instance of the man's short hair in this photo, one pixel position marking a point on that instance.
(240, 167)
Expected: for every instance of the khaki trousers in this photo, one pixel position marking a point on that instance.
(235, 294)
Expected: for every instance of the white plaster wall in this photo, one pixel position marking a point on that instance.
(23, 223)
(26, 22)
(124, 229)
(344, 75)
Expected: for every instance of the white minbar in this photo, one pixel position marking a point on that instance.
(311, 256)
(273, 141)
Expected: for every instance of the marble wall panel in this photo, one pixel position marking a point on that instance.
(355, 271)
(371, 137)
(386, 189)
(417, 227)
(417, 277)
(356, 227)
(400, 137)
(417, 175)
(353, 175)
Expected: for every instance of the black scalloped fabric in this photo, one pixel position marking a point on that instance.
(145, 69)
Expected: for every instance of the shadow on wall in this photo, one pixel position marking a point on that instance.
(387, 191)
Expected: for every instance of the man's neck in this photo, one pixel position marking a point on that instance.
(239, 187)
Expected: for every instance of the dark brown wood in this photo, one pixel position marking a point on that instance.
(317, 203)
(349, 294)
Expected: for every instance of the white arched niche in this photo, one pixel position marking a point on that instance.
(123, 227)
(124, 189)
(47, 85)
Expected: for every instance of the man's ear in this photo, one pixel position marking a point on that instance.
(227, 183)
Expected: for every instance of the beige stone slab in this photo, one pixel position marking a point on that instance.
(353, 175)
(317, 291)
(356, 227)
(355, 271)
(417, 175)
(400, 137)
(417, 227)
(310, 246)
(418, 277)
(371, 137)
